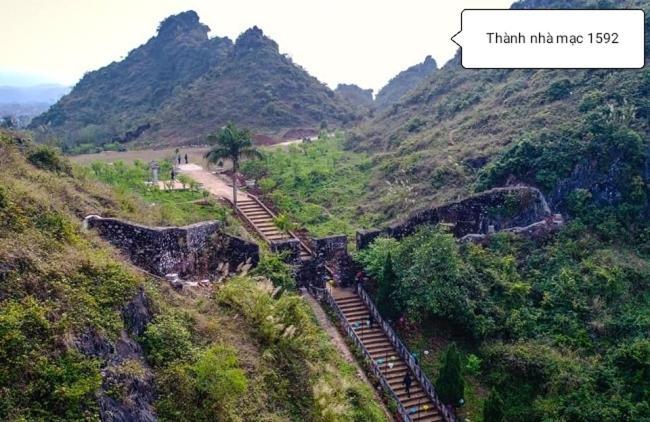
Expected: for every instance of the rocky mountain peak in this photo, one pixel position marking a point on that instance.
(183, 25)
(254, 39)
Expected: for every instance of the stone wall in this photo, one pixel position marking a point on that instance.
(291, 246)
(193, 251)
(497, 209)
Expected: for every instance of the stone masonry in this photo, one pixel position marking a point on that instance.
(493, 210)
(193, 251)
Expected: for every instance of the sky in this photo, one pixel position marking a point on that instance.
(338, 41)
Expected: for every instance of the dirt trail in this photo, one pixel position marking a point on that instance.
(211, 182)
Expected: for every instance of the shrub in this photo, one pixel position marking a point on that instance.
(559, 90)
(493, 408)
(47, 158)
(450, 384)
(218, 375)
(473, 365)
(275, 268)
(167, 340)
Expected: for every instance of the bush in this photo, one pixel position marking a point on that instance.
(167, 340)
(493, 408)
(275, 268)
(218, 374)
(559, 90)
(47, 158)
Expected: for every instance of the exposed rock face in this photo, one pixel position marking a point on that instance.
(127, 391)
(405, 82)
(193, 251)
(355, 95)
(500, 208)
(181, 85)
(137, 314)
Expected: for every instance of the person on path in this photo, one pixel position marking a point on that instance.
(407, 381)
(173, 175)
(179, 159)
(186, 158)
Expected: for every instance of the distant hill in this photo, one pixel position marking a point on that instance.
(355, 95)
(22, 103)
(43, 94)
(405, 82)
(181, 85)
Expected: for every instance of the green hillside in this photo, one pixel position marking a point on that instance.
(460, 131)
(70, 348)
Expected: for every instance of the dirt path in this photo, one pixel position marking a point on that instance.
(340, 344)
(211, 182)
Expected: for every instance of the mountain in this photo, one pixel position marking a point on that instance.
(405, 82)
(355, 95)
(256, 87)
(36, 94)
(181, 85)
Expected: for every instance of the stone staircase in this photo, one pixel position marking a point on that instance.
(261, 218)
(390, 360)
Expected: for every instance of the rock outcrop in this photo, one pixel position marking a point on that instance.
(493, 210)
(127, 390)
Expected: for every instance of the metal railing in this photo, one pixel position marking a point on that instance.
(446, 411)
(401, 411)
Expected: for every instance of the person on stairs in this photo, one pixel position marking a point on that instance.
(407, 383)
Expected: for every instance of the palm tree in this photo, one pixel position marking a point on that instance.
(234, 144)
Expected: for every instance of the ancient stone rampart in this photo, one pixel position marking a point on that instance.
(193, 251)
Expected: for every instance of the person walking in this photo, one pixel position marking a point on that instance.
(186, 158)
(179, 159)
(173, 175)
(407, 381)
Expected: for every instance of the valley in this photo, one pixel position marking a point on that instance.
(201, 230)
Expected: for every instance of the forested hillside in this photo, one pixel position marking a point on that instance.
(181, 85)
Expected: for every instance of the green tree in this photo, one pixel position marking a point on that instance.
(234, 144)
(493, 408)
(450, 384)
(387, 284)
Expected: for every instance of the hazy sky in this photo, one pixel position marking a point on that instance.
(338, 41)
